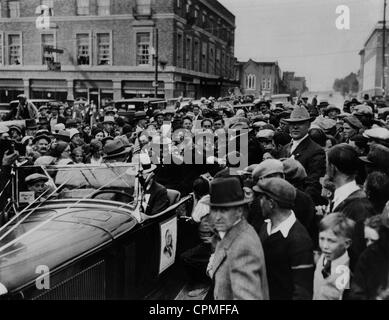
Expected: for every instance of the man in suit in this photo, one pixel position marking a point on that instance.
(238, 266)
(154, 197)
(306, 151)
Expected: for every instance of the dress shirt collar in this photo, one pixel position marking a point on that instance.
(296, 143)
(284, 227)
(222, 234)
(343, 192)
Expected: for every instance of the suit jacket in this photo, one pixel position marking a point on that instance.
(238, 267)
(158, 199)
(313, 159)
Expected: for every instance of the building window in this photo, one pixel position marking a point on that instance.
(211, 68)
(15, 48)
(188, 55)
(143, 48)
(14, 9)
(103, 49)
(50, 5)
(196, 13)
(83, 49)
(196, 59)
(179, 50)
(204, 58)
(47, 40)
(178, 3)
(103, 7)
(264, 84)
(188, 5)
(1, 49)
(82, 7)
(251, 82)
(217, 64)
(269, 84)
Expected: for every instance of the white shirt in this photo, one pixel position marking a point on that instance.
(343, 192)
(284, 227)
(296, 143)
(96, 162)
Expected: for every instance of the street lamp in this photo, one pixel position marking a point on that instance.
(154, 53)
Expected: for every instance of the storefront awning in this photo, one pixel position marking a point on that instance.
(11, 84)
(93, 84)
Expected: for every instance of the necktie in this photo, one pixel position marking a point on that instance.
(326, 269)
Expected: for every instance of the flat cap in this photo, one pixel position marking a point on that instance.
(279, 190)
(268, 167)
(33, 178)
(363, 109)
(377, 133)
(294, 170)
(354, 122)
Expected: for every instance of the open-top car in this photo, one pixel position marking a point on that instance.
(86, 237)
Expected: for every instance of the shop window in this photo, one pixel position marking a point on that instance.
(196, 51)
(14, 49)
(83, 49)
(1, 49)
(143, 45)
(204, 58)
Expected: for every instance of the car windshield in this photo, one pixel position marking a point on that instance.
(75, 182)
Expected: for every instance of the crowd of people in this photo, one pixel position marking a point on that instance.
(307, 218)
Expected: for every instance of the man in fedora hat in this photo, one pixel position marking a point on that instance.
(287, 245)
(116, 151)
(154, 195)
(238, 265)
(306, 151)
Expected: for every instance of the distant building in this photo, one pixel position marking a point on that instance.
(259, 78)
(108, 49)
(370, 75)
(294, 85)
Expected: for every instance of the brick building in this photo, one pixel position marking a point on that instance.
(259, 78)
(108, 48)
(370, 73)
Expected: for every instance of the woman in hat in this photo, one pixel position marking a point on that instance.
(60, 150)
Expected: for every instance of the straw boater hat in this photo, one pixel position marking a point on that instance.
(227, 192)
(146, 164)
(299, 114)
(109, 119)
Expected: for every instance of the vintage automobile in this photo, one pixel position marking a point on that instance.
(87, 238)
(139, 104)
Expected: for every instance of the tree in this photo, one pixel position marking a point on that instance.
(347, 85)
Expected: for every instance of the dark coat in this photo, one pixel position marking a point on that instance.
(313, 159)
(371, 273)
(356, 207)
(289, 263)
(158, 199)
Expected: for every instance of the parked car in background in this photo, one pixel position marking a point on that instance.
(140, 104)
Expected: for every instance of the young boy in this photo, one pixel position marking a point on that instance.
(332, 273)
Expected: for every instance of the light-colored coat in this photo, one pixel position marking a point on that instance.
(238, 266)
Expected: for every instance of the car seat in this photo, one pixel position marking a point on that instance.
(174, 196)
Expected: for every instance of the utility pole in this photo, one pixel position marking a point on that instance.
(383, 51)
(156, 62)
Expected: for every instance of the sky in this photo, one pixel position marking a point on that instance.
(302, 35)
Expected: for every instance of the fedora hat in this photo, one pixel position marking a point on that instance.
(42, 136)
(299, 114)
(378, 157)
(227, 192)
(115, 148)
